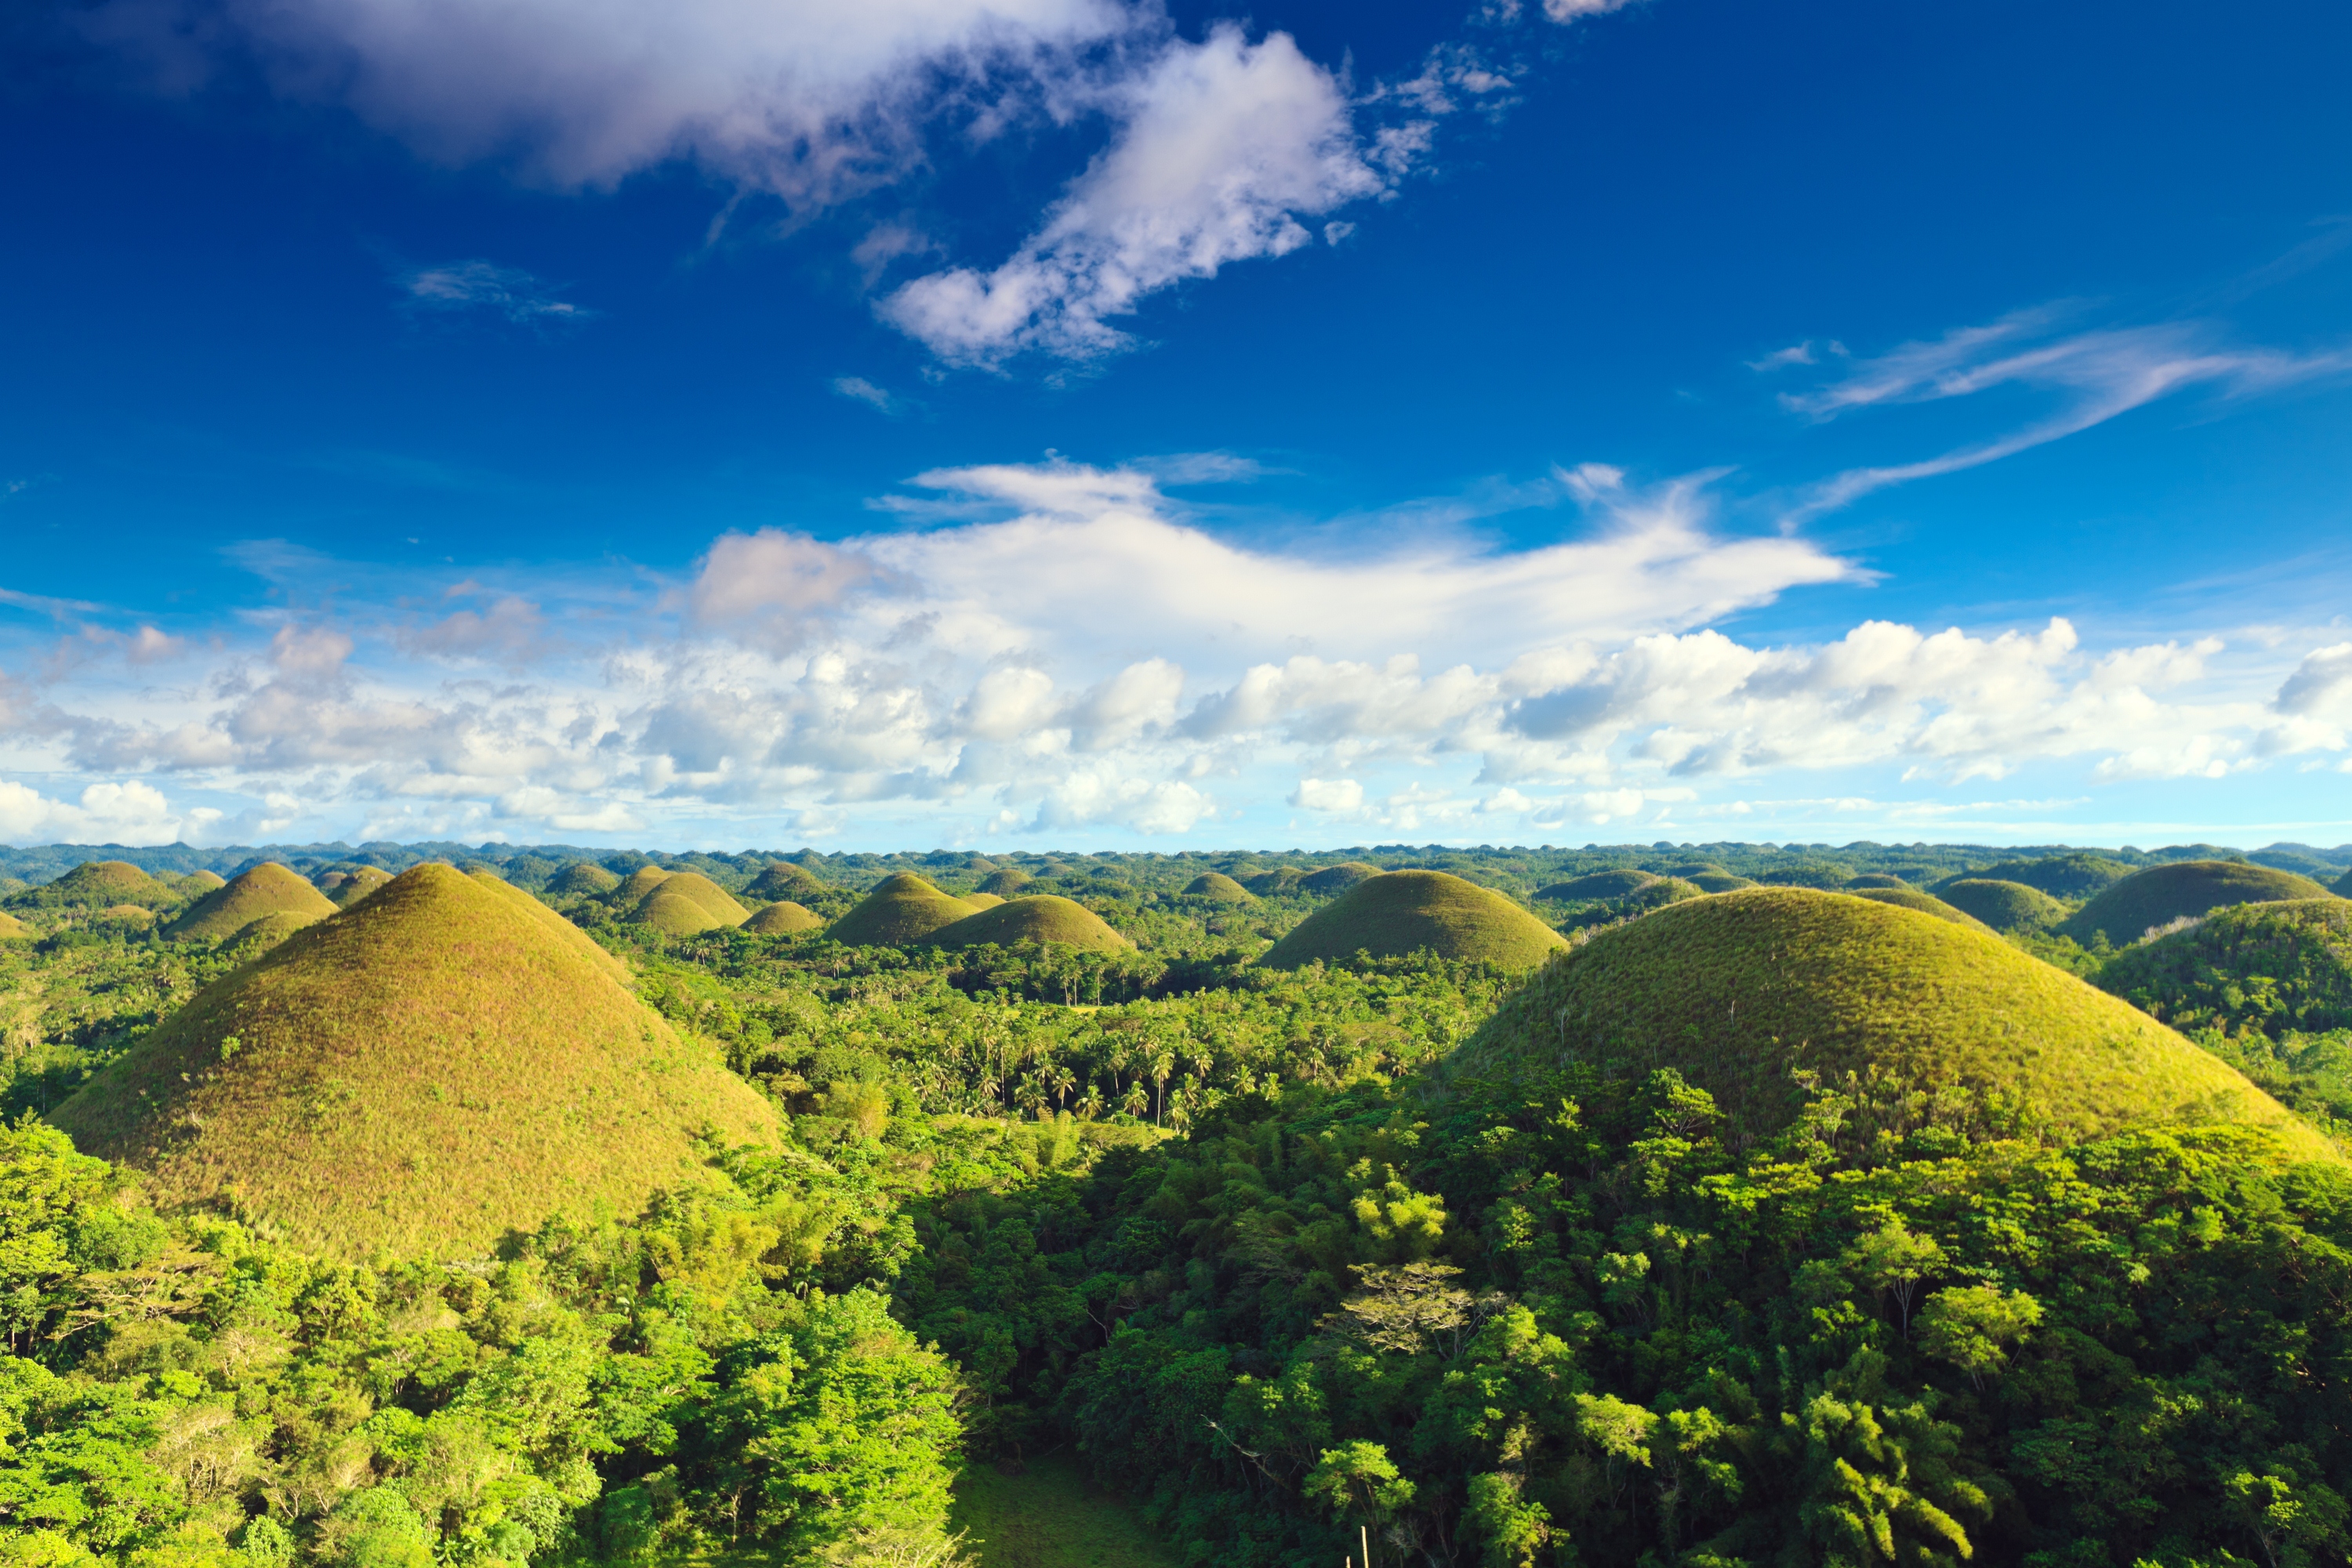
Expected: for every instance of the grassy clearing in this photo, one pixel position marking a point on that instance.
(438, 1065)
(1049, 1517)
(1400, 912)
(2148, 900)
(1931, 1020)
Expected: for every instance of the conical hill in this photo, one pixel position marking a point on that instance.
(98, 885)
(1398, 912)
(1216, 885)
(782, 879)
(693, 888)
(358, 885)
(1740, 991)
(980, 901)
(196, 884)
(672, 915)
(2146, 900)
(1598, 885)
(904, 908)
(1338, 878)
(637, 884)
(12, 929)
(583, 877)
(428, 1070)
(2273, 966)
(782, 918)
(269, 888)
(1904, 897)
(2004, 906)
(1043, 918)
(1005, 882)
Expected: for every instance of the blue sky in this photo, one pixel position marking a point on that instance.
(1074, 422)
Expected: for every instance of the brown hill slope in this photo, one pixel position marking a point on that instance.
(427, 1071)
(269, 888)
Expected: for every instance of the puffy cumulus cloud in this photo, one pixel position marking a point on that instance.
(1066, 650)
(126, 812)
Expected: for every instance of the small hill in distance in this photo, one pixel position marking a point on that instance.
(1903, 895)
(2342, 886)
(637, 884)
(691, 887)
(584, 878)
(1218, 887)
(1739, 992)
(782, 881)
(97, 885)
(980, 901)
(1333, 880)
(1717, 882)
(1006, 882)
(354, 885)
(673, 915)
(1400, 912)
(903, 909)
(1043, 918)
(2070, 876)
(2004, 906)
(443, 1063)
(269, 888)
(196, 884)
(1874, 880)
(782, 918)
(1596, 885)
(1280, 882)
(2275, 966)
(2151, 899)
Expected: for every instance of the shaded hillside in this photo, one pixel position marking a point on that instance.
(1400, 912)
(2068, 875)
(268, 889)
(1934, 1023)
(1334, 880)
(1597, 885)
(427, 1071)
(2004, 906)
(904, 908)
(1907, 898)
(2276, 968)
(692, 888)
(2148, 901)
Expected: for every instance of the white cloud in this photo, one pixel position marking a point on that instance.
(1222, 147)
(461, 287)
(1329, 795)
(129, 811)
(857, 389)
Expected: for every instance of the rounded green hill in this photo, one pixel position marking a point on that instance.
(1216, 885)
(2072, 876)
(2342, 886)
(1742, 992)
(2274, 966)
(1400, 912)
(637, 884)
(583, 877)
(196, 884)
(1874, 880)
(903, 909)
(269, 888)
(1717, 882)
(980, 901)
(2004, 906)
(268, 930)
(1005, 883)
(1597, 885)
(1280, 882)
(782, 918)
(428, 1070)
(671, 915)
(96, 885)
(2146, 900)
(691, 887)
(1044, 918)
(781, 879)
(1334, 880)
(358, 885)
(1903, 895)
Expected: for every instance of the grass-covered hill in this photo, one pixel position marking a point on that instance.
(1218, 886)
(2067, 876)
(425, 1071)
(1334, 880)
(97, 885)
(1401, 913)
(1597, 885)
(2342, 886)
(782, 881)
(693, 888)
(344, 888)
(2148, 901)
(2004, 906)
(638, 884)
(1933, 1023)
(1903, 896)
(196, 884)
(672, 914)
(12, 929)
(268, 932)
(1717, 881)
(266, 889)
(784, 918)
(2275, 966)
(1041, 917)
(1875, 879)
(981, 900)
(1005, 882)
(583, 878)
(904, 908)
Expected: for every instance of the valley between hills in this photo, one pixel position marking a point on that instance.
(1706, 1206)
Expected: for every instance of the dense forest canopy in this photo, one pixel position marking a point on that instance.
(1283, 1260)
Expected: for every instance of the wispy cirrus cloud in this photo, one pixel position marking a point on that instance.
(484, 288)
(2095, 376)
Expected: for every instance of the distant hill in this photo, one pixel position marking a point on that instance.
(2070, 875)
(1218, 886)
(2146, 900)
(1277, 883)
(674, 915)
(196, 884)
(784, 881)
(583, 877)
(1739, 992)
(2274, 966)
(1339, 878)
(1040, 918)
(782, 920)
(2004, 906)
(1717, 882)
(904, 908)
(1005, 883)
(1597, 885)
(96, 885)
(357, 885)
(2342, 887)
(1400, 912)
(637, 884)
(979, 901)
(1903, 897)
(694, 889)
(266, 889)
(445, 1062)
(1874, 880)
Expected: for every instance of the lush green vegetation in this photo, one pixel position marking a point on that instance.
(1777, 1230)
